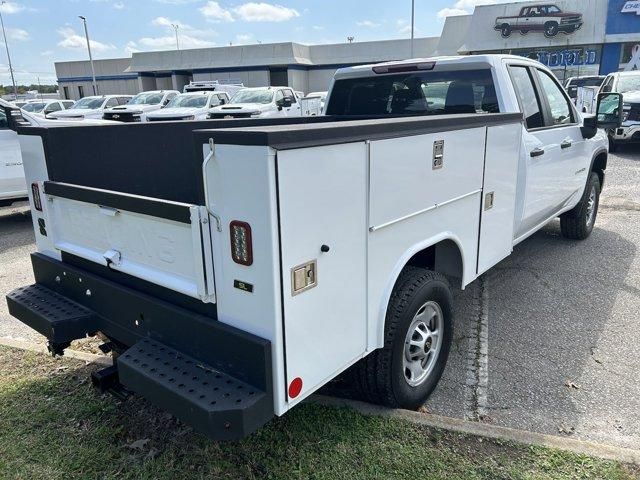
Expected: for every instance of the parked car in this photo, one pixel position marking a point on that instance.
(12, 181)
(573, 83)
(189, 106)
(260, 102)
(45, 107)
(140, 106)
(628, 84)
(214, 86)
(91, 107)
(264, 257)
(548, 19)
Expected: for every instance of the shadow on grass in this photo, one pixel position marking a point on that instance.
(54, 425)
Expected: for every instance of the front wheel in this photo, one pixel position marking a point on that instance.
(551, 30)
(577, 224)
(418, 335)
(505, 31)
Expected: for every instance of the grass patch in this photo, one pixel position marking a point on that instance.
(53, 425)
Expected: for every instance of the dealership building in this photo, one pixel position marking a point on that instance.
(572, 37)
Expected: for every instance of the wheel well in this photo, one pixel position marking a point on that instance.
(599, 166)
(444, 257)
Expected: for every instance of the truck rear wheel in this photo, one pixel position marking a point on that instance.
(417, 340)
(577, 224)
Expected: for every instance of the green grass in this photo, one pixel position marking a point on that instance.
(53, 425)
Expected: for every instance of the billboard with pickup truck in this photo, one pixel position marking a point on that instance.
(530, 25)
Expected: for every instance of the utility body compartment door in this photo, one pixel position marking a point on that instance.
(165, 243)
(322, 202)
(499, 195)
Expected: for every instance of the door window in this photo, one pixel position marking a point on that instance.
(607, 85)
(289, 93)
(53, 107)
(279, 95)
(112, 102)
(561, 112)
(527, 97)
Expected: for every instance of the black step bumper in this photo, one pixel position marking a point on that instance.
(214, 377)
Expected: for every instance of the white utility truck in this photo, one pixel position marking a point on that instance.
(234, 279)
(259, 102)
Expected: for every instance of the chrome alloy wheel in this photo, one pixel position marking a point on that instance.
(591, 206)
(423, 343)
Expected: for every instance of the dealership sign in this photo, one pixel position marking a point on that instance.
(564, 58)
(631, 7)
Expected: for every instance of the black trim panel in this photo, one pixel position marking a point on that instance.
(178, 212)
(284, 137)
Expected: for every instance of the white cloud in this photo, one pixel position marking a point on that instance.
(265, 12)
(118, 6)
(17, 34)
(177, 2)
(71, 40)
(465, 7)
(215, 13)
(188, 36)
(367, 24)
(168, 42)
(11, 7)
(46, 53)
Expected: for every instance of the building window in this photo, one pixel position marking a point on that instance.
(81, 91)
(65, 91)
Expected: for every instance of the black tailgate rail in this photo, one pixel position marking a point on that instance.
(213, 377)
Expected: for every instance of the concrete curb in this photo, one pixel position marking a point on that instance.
(39, 348)
(581, 447)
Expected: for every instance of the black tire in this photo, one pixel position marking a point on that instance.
(524, 32)
(380, 376)
(577, 224)
(505, 30)
(551, 29)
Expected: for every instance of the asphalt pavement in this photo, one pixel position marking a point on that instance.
(547, 341)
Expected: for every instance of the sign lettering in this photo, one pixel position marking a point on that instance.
(631, 7)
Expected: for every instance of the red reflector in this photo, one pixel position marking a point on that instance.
(404, 67)
(295, 387)
(241, 243)
(35, 191)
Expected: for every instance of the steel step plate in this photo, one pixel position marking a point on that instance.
(57, 317)
(213, 402)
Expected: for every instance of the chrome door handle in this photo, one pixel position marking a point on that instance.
(566, 144)
(537, 152)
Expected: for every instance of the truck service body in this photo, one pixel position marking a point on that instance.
(236, 266)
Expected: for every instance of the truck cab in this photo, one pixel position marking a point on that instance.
(627, 84)
(261, 102)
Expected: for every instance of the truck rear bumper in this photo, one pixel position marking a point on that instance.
(214, 377)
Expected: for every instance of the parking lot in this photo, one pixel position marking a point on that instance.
(547, 341)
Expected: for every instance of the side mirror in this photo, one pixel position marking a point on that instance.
(167, 100)
(610, 110)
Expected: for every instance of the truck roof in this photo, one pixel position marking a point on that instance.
(448, 62)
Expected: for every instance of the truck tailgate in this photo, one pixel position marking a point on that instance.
(163, 242)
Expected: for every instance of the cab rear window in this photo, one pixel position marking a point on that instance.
(416, 93)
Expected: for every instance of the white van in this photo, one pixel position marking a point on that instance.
(12, 183)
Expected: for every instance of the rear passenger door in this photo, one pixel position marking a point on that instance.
(549, 139)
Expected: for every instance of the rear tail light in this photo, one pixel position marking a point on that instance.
(35, 191)
(241, 243)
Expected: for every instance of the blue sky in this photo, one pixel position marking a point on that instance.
(41, 32)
